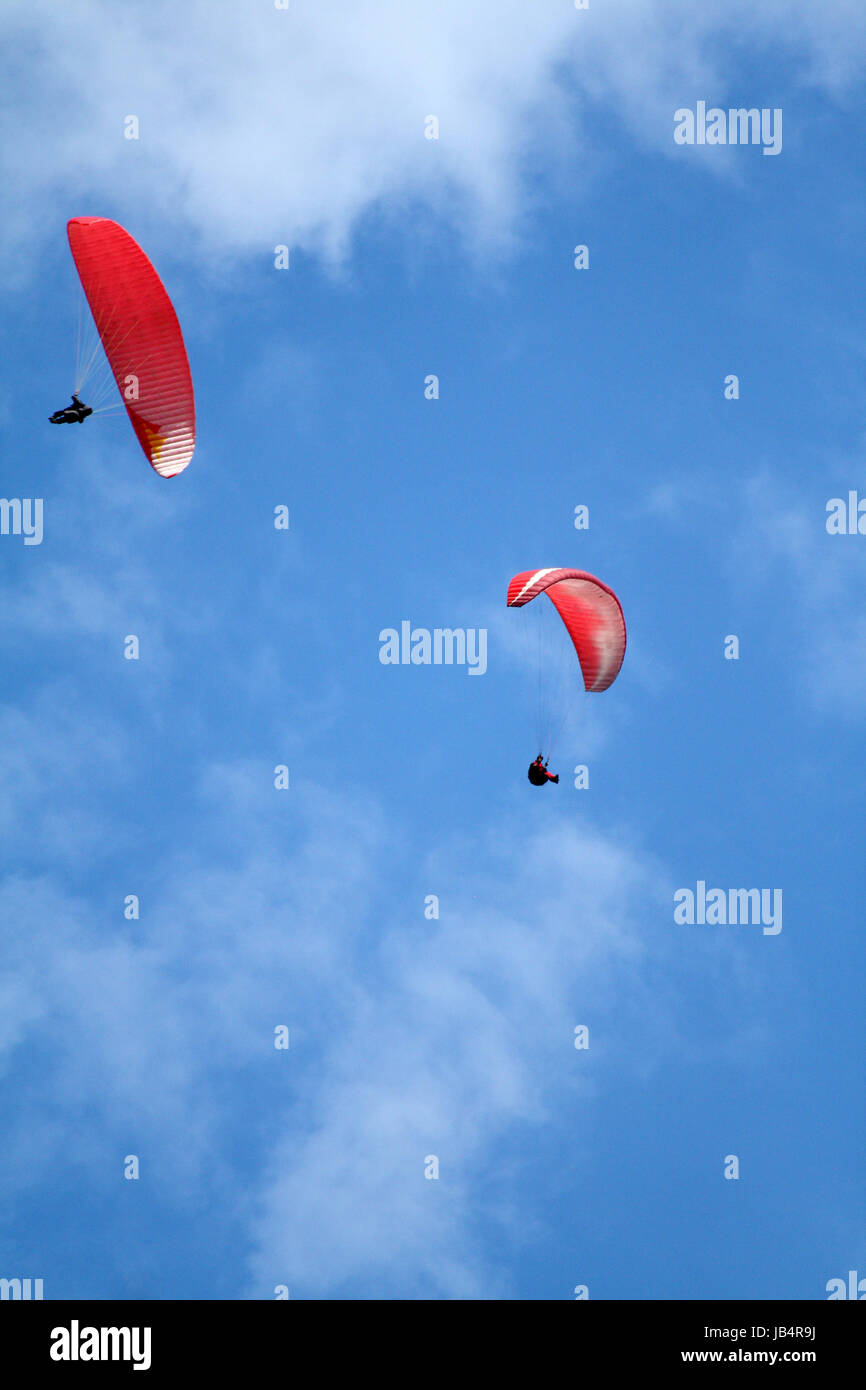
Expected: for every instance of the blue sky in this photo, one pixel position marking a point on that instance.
(452, 1037)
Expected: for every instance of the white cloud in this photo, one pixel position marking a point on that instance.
(809, 585)
(461, 1032)
(261, 126)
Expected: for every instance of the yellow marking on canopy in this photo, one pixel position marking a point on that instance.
(154, 439)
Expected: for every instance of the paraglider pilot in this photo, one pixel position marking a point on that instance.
(538, 773)
(74, 414)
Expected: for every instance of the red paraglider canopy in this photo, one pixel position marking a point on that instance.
(142, 339)
(591, 613)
